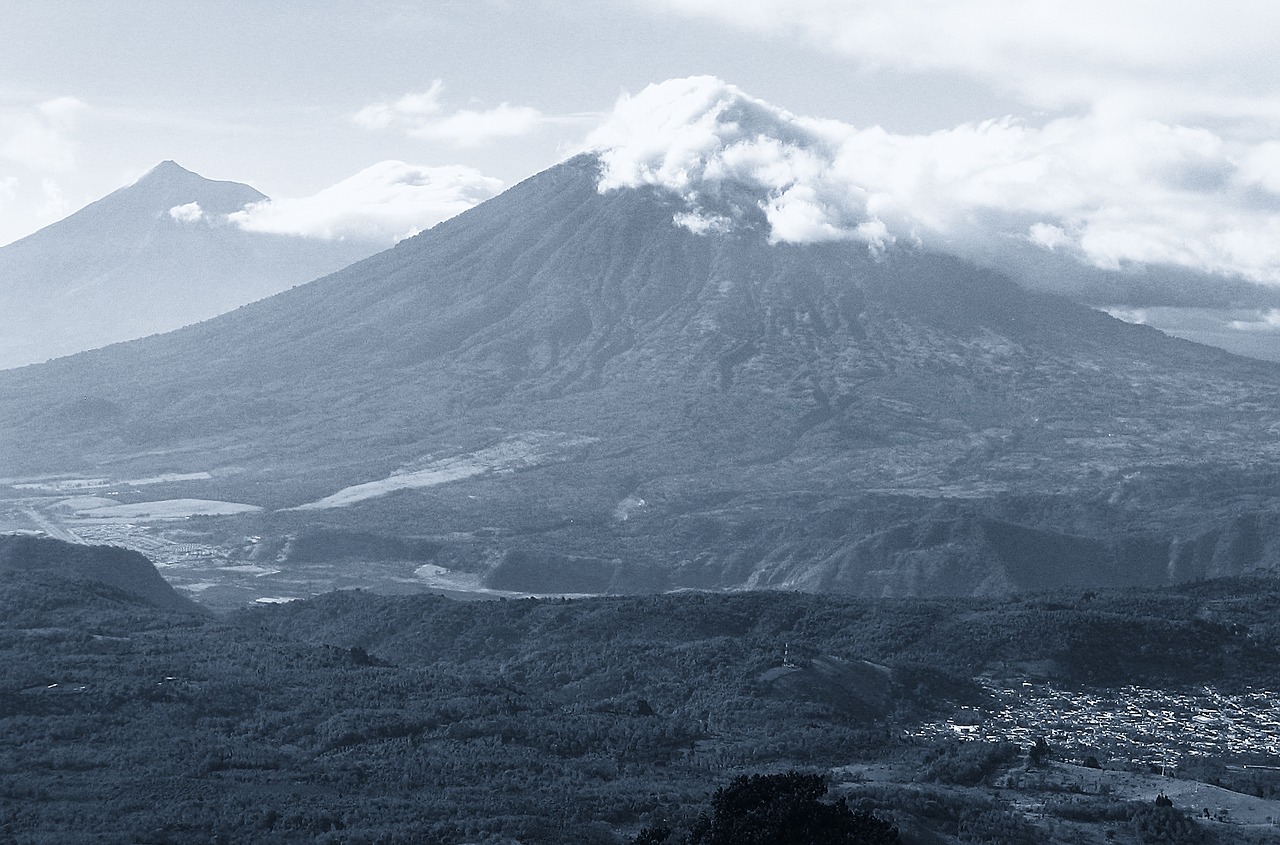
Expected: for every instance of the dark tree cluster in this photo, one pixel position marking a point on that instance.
(780, 809)
(968, 763)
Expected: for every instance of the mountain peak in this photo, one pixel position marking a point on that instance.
(168, 174)
(169, 184)
(170, 179)
(167, 169)
(151, 256)
(737, 162)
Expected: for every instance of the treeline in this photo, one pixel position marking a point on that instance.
(1221, 632)
(358, 718)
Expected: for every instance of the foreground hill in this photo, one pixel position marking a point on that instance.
(53, 576)
(623, 404)
(150, 257)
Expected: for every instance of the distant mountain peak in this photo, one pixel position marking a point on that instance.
(167, 169)
(170, 182)
(169, 173)
(151, 256)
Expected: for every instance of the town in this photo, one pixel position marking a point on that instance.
(1127, 727)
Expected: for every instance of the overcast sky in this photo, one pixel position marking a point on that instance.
(1125, 131)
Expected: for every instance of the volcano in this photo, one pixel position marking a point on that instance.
(150, 257)
(571, 388)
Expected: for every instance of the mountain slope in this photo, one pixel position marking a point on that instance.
(624, 404)
(143, 260)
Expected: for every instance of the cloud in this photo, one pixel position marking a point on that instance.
(733, 158)
(1137, 316)
(1261, 321)
(189, 213)
(410, 109)
(1164, 58)
(39, 137)
(37, 151)
(383, 203)
(423, 116)
(467, 128)
(1110, 189)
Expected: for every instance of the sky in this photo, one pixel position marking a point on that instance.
(1121, 133)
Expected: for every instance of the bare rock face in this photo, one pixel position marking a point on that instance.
(563, 387)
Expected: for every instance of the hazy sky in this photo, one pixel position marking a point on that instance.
(1126, 130)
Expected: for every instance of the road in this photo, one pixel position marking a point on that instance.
(51, 528)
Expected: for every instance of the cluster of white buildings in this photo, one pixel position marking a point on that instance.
(1124, 725)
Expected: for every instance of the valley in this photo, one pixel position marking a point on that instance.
(208, 549)
(222, 571)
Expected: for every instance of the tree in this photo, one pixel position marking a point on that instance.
(782, 809)
(1039, 752)
(652, 836)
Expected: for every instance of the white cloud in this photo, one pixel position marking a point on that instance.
(1163, 57)
(1129, 315)
(39, 137)
(467, 128)
(189, 213)
(1112, 189)
(37, 154)
(1048, 236)
(1260, 166)
(383, 203)
(409, 108)
(702, 223)
(1163, 148)
(732, 158)
(423, 116)
(1262, 321)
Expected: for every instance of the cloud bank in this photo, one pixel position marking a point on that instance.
(1109, 188)
(1164, 59)
(383, 203)
(422, 115)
